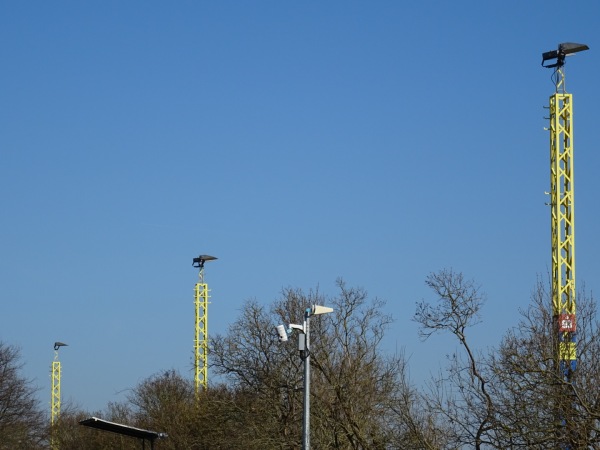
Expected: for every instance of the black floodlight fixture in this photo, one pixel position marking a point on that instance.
(200, 260)
(58, 345)
(125, 430)
(565, 49)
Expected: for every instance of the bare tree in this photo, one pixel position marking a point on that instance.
(463, 398)
(513, 397)
(22, 424)
(356, 385)
(165, 402)
(360, 397)
(265, 377)
(530, 391)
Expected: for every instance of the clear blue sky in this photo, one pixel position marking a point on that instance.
(296, 141)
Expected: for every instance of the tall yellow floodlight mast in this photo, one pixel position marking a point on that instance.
(562, 203)
(201, 326)
(55, 394)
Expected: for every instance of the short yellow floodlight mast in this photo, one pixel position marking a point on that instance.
(55, 394)
(201, 326)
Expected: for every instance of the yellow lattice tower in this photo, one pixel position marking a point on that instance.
(562, 203)
(201, 326)
(55, 393)
(55, 404)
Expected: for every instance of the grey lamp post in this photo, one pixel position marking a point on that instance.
(304, 347)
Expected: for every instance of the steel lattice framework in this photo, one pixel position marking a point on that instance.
(201, 334)
(201, 326)
(562, 203)
(55, 402)
(563, 224)
(55, 398)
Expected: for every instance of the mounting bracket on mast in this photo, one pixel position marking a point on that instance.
(199, 263)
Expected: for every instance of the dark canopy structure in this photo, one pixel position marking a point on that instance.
(126, 430)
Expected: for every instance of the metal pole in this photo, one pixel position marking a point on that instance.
(306, 421)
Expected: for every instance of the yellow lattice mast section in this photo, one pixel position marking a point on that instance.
(563, 222)
(201, 326)
(55, 404)
(562, 204)
(55, 394)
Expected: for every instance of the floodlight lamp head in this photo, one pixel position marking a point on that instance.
(317, 309)
(282, 333)
(58, 345)
(200, 260)
(565, 49)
